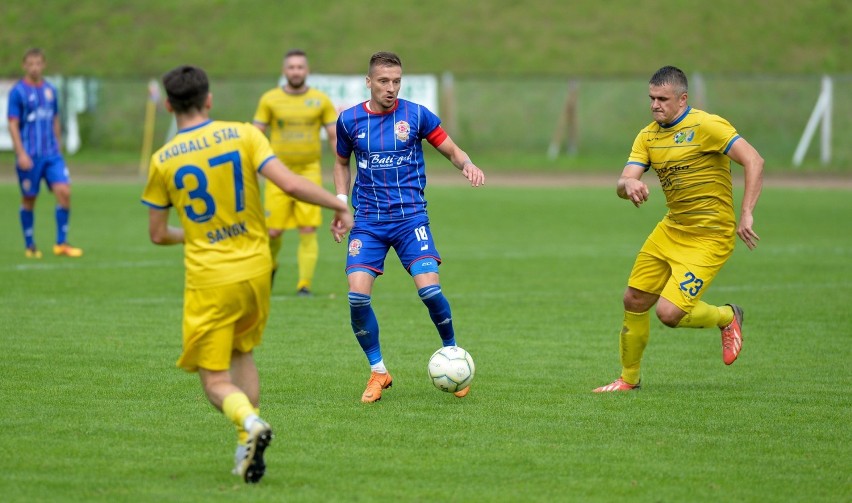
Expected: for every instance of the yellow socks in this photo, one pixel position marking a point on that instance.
(275, 247)
(237, 408)
(634, 337)
(307, 258)
(703, 315)
(242, 434)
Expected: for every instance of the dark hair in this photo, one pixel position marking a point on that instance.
(187, 88)
(673, 76)
(295, 52)
(33, 51)
(383, 59)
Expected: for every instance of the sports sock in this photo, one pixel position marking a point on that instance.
(242, 434)
(62, 216)
(703, 315)
(307, 258)
(439, 311)
(635, 332)
(275, 247)
(379, 367)
(27, 223)
(365, 326)
(238, 409)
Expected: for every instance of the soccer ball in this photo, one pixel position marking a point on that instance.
(451, 369)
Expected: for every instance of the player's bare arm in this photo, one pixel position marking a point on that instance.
(261, 126)
(24, 160)
(744, 154)
(462, 161)
(342, 175)
(331, 133)
(159, 229)
(631, 187)
(303, 189)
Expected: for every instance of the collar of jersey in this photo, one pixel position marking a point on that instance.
(678, 119)
(366, 109)
(208, 121)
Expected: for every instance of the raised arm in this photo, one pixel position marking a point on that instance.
(744, 154)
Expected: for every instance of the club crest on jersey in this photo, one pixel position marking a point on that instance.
(48, 94)
(402, 130)
(683, 136)
(354, 247)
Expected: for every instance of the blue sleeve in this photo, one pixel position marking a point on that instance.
(16, 104)
(428, 121)
(344, 140)
(55, 101)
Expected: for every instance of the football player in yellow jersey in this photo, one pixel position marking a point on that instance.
(208, 173)
(690, 152)
(294, 115)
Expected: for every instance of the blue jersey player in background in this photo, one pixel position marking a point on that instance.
(34, 126)
(385, 135)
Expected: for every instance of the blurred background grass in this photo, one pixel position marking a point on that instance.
(512, 62)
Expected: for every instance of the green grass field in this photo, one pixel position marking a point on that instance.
(94, 409)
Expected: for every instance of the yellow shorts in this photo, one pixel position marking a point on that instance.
(285, 212)
(222, 319)
(678, 265)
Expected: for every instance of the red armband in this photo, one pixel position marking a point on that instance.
(436, 137)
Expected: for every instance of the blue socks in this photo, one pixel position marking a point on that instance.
(439, 311)
(365, 326)
(27, 220)
(62, 215)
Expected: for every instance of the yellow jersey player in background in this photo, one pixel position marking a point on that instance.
(690, 151)
(294, 115)
(208, 172)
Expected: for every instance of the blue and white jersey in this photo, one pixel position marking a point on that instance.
(391, 177)
(35, 106)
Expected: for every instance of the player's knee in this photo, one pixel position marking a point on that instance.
(637, 301)
(669, 317)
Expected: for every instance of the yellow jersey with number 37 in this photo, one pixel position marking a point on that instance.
(689, 157)
(209, 174)
(295, 121)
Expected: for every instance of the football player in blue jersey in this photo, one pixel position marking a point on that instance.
(385, 135)
(36, 133)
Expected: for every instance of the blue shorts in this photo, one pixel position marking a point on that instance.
(52, 169)
(370, 242)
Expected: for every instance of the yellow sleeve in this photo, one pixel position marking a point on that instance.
(639, 152)
(329, 112)
(260, 151)
(718, 134)
(156, 194)
(263, 114)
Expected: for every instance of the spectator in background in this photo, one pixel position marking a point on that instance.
(295, 114)
(36, 132)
